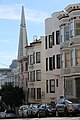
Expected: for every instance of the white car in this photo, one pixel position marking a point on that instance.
(22, 111)
(7, 114)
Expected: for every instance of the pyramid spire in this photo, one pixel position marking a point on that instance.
(22, 37)
(23, 17)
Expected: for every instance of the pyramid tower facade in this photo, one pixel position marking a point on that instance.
(22, 55)
(23, 37)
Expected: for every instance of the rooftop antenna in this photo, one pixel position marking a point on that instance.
(35, 38)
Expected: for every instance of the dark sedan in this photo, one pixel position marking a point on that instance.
(46, 110)
(65, 107)
(33, 110)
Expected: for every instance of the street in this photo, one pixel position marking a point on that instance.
(48, 118)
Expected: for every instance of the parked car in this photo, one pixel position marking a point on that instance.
(66, 107)
(33, 109)
(22, 111)
(7, 114)
(46, 110)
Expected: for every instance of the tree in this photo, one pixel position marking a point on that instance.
(12, 96)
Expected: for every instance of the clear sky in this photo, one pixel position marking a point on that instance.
(36, 11)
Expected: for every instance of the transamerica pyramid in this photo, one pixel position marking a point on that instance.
(22, 37)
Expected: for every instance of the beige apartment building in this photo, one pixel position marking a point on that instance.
(54, 83)
(69, 22)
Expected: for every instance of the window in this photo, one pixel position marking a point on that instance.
(71, 29)
(56, 82)
(26, 82)
(52, 86)
(69, 87)
(28, 76)
(28, 59)
(26, 66)
(38, 75)
(32, 76)
(46, 86)
(77, 83)
(66, 33)
(31, 59)
(37, 57)
(46, 64)
(50, 41)
(58, 61)
(38, 93)
(46, 42)
(77, 28)
(62, 60)
(77, 56)
(50, 63)
(29, 92)
(33, 93)
(53, 61)
(53, 37)
(67, 59)
(61, 35)
(72, 57)
(57, 37)
(21, 67)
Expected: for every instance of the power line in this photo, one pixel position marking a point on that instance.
(4, 64)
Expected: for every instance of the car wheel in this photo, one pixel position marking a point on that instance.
(22, 115)
(26, 114)
(65, 113)
(38, 114)
(57, 114)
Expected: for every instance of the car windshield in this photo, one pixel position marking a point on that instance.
(50, 106)
(67, 101)
(35, 106)
(61, 101)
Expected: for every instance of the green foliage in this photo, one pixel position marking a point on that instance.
(11, 95)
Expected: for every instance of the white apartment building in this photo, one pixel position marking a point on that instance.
(36, 71)
(54, 83)
(69, 22)
(6, 77)
(15, 73)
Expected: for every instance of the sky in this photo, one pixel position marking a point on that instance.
(36, 11)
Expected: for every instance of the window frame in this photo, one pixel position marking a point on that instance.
(52, 86)
(38, 75)
(38, 57)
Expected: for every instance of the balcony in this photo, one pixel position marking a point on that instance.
(64, 45)
(75, 40)
(65, 71)
(75, 70)
(64, 20)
